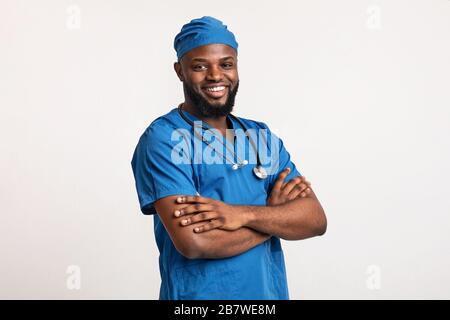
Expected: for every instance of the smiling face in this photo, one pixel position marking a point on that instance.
(210, 79)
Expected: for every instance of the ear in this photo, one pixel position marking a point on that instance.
(179, 72)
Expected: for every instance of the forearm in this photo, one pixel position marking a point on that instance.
(215, 229)
(297, 219)
(217, 243)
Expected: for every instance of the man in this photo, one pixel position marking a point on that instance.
(218, 226)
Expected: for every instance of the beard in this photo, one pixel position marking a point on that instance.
(208, 110)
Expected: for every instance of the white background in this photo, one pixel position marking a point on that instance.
(358, 91)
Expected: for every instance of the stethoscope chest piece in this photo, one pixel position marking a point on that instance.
(260, 172)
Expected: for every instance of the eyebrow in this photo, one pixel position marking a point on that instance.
(206, 60)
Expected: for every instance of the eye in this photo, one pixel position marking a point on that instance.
(227, 65)
(199, 67)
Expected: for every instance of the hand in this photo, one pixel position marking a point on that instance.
(216, 213)
(297, 187)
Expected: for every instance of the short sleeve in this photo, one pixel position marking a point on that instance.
(157, 172)
(283, 160)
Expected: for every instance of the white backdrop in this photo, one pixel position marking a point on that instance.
(358, 91)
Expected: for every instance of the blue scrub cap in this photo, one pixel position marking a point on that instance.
(200, 32)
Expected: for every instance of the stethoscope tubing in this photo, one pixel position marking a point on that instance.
(240, 123)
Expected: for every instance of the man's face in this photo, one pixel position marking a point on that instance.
(210, 78)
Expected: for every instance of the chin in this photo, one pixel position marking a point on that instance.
(218, 103)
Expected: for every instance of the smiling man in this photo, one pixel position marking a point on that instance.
(218, 224)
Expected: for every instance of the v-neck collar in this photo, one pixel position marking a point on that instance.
(194, 118)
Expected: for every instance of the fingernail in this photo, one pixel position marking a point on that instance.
(177, 213)
(196, 229)
(184, 221)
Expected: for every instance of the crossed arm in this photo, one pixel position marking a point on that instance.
(201, 227)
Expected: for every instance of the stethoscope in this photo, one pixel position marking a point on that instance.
(258, 170)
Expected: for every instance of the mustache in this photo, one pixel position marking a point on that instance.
(206, 109)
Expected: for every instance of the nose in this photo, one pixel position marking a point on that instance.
(214, 74)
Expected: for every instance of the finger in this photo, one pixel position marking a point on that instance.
(291, 184)
(299, 192)
(280, 179)
(302, 179)
(214, 224)
(305, 193)
(204, 216)
(307, 183)
(295, 193)
(193, 208)
(301, 187)
(193, 199)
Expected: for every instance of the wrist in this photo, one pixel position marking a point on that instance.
(248, 215)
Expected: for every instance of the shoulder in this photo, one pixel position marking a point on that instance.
(160, 129)
(164, 122)
(158, 139)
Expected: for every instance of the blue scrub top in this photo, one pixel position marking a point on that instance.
(258, 273)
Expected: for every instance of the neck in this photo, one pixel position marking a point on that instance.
(219, 123)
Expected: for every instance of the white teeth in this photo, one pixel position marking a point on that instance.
(215, 89)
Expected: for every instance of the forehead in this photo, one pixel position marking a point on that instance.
(210, 52)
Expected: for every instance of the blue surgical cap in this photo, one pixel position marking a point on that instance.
(200, 32)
